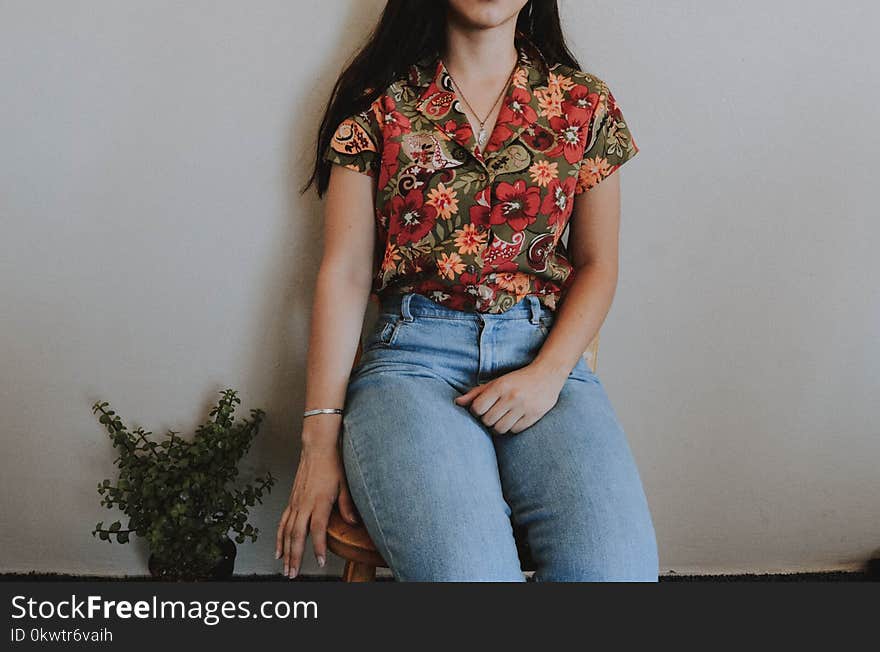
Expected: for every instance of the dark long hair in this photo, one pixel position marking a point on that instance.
(408, 31)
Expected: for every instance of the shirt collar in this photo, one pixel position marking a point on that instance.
(430, 79)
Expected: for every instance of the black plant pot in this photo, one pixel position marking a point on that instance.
(222, 570)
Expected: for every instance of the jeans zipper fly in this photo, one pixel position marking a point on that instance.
(481, 325)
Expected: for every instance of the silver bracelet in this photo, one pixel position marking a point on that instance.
(309, 413)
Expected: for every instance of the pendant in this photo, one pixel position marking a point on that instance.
(481, 137)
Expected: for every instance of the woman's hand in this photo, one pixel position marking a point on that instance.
(516, 400)
(319, 483)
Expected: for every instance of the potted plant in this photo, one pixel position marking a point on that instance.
(181, 495)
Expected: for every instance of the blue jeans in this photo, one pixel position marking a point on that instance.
(439, 492)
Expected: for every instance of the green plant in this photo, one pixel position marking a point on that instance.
(180, 494)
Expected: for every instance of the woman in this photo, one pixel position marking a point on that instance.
(457, 147)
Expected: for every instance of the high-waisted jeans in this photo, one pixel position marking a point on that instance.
(440, 492)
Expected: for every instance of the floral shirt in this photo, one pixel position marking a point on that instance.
(478, 229)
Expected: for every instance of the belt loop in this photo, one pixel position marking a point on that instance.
(534, 309)
(404, 307)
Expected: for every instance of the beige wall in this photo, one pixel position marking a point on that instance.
(154, 250)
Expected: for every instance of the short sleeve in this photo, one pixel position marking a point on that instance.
(610, 143)
(356, 143)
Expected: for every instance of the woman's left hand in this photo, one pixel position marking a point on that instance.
(516, 400)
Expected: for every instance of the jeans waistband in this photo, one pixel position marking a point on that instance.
(410, 305)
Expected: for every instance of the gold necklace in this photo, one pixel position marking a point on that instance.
(482, 135)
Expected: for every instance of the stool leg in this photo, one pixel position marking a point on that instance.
(356, 572)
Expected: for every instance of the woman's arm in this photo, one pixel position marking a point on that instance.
(341, 295)
(509, 402)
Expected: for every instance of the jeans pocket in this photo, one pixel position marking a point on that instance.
(384, 333)
(545, 323)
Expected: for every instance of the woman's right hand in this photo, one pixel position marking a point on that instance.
(318, 484)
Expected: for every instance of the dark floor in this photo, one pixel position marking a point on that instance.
(829, 576)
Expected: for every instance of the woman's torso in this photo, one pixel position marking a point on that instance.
(480, 230)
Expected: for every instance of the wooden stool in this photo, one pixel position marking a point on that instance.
(353, 542)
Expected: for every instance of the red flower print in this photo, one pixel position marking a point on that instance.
(433, 286)
(538, 138)
(504, 266)
(517, 204)
(451, 296)
(559, 201)
(429, 287)
(571, 130)
(516, 109)
(390, 162)
(411, 219)
(498, 137)
(515, 112)
(458, 299)
(468, 278)
(393, 122)
(464, 292)
(461, 133)
(481, 210)
(581, 102)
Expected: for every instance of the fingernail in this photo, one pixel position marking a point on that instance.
(292, 572)
(285, 570)
(321, 561)
(277, 554)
